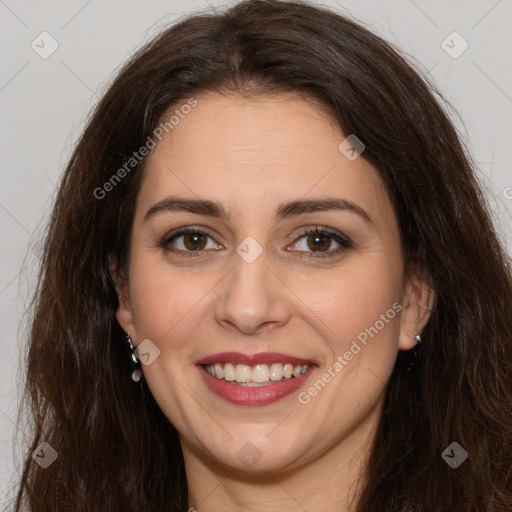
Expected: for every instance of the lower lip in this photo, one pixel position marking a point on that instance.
(261, 395)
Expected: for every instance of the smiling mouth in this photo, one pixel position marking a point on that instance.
(258, 375)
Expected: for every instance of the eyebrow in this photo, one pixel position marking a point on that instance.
(284, 210)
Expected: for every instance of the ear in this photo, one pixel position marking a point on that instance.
(124, 312)
(417, 306)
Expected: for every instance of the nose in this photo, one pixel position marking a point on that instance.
(253, 297)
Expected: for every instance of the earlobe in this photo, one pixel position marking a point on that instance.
(418, 303)
(124, 310)
(125, 318)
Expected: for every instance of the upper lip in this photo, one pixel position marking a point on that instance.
(252, 359)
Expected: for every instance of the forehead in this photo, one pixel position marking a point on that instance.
(248, 153)
(240, 129)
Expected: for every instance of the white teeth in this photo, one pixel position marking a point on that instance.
(276, 371)
(287, 371)
(218, 371)
(229, 372)
(260, 374)
(243, 373)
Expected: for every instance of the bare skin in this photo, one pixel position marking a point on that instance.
(251, 156)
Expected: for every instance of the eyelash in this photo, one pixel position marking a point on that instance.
(340, 238)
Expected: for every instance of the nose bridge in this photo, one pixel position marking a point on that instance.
(252, 295)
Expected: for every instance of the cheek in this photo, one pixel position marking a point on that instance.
(163, 297)
(354, 298)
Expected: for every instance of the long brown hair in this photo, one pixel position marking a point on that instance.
(116, 449)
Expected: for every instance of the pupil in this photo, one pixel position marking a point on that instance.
(320, 241)
(193, 239)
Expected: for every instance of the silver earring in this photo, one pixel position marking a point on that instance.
(413, 357)
(135, 363)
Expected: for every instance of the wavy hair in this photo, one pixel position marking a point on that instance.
(116, 449)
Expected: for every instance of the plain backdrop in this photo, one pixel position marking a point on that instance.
(44, 102)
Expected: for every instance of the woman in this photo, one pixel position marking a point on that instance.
(270, 211)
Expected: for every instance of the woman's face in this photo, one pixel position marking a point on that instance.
(285, 281)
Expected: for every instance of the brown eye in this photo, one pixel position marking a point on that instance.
(189, 242)
(322, 242)
(318, 242)
(194, 241)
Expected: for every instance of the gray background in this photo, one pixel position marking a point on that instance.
(44, 102)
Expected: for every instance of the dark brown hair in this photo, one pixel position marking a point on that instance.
(116, 449)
